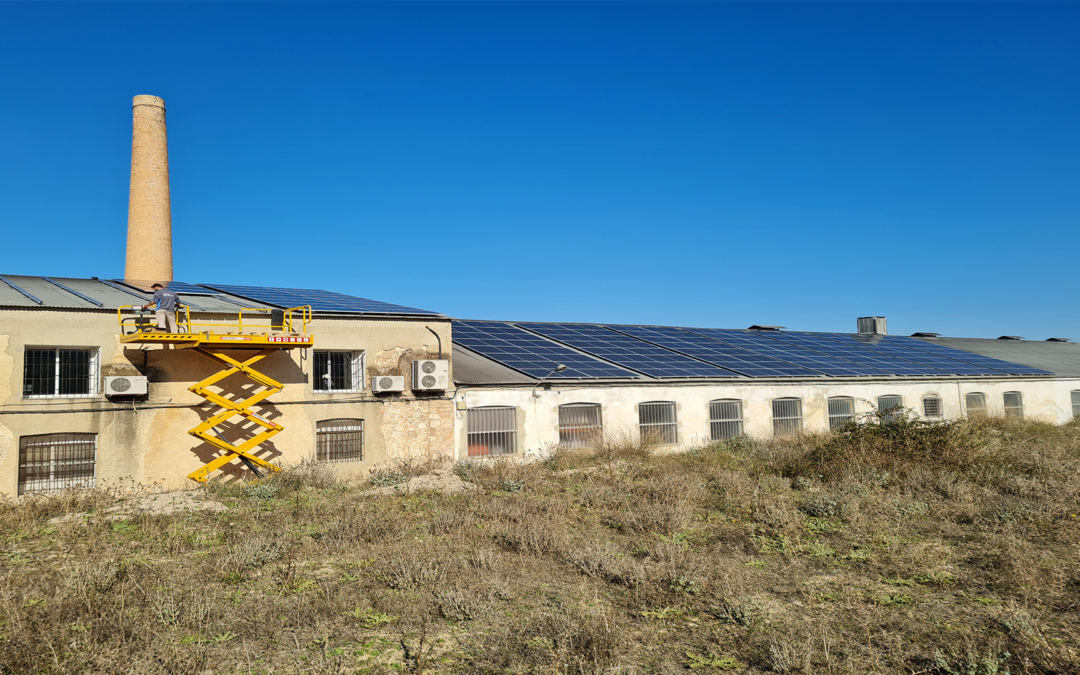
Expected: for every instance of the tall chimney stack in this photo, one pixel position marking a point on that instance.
(149, 239)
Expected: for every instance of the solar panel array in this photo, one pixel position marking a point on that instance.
(531, 354)
(320, 301)
(601, 351)
(626, 351)
(178, 286)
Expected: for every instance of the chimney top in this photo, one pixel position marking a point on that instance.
(147, 99)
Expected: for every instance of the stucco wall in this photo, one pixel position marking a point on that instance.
(538, 428)
(147, 442)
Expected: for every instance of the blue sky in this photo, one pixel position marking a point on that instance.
(700, 164)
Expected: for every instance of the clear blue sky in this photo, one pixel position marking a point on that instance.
(692, 164)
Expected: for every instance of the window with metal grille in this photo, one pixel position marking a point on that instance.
(658, 423)
(340, 440)
(975, 402)
(725, 418)
(59, 373)
(841, 411)
(1014, 404)
(492, 431)
(338, 371)
(580, 425)
(931, 407)
(53, 462)
(890, 407)
(1075, 403)
(787, 416)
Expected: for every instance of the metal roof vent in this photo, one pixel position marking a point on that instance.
(926, 335)
(1010, 337)
(757, 327)
(872, 325)
(1058, 340)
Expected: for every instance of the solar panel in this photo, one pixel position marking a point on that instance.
(864, 355)
(966, 357)
(531, 354)
(626, 351)
(732, 357)
(178, 286)
(879, 345)
(822, 363)
(320, 301)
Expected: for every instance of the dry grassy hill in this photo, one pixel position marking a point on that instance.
(902, 548)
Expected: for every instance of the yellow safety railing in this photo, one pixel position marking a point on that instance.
(295, 320)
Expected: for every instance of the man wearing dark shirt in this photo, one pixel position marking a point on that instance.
(167, 302)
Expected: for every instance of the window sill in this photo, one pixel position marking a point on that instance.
(337, 391)
(60, 396)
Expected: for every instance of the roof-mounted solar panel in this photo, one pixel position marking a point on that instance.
(833, 366)
(320, 301)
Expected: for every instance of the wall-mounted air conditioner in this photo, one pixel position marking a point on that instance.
(125, 385)
(431, 375)
(387, 383)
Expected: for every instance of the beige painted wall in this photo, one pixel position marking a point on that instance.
(148, 442)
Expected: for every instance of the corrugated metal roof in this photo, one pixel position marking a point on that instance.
(471, 368)
(51, 295)
(12, 297)
(1060, 358)
(109, 297)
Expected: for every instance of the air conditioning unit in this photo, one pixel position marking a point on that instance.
(431, 375)
(125, 385)
(386, 383)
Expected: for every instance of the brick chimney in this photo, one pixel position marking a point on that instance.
(149, 239)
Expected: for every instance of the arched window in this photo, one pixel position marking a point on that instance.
(1014, 404)
(657, 422)
(889, 407)
(492, 430)
(340, 440)
(931, 407)
(841, 410)
(787, 416)
(580, 425)
(725, 418)
(975, 402)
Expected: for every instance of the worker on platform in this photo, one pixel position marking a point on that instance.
(167, 302)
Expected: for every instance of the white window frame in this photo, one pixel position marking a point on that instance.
(885, 415)
(357, 363)
(838, 419)
(1016, 411)
(52, 483)
(977, 410)
(1074, 396)
(721, 421)
(940, 407)
(576, 429)
(92, 387)
(330, 433)
(504, 434)
(789, 425)
(653, 427)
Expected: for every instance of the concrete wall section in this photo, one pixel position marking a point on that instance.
(147, 441)
(538, 428)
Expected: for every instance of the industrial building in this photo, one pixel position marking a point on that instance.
(262, 376)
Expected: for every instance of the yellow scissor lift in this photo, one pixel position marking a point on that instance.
(286, 329)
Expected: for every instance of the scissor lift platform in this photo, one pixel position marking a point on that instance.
(288, 330)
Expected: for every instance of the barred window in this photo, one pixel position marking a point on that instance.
(54, 462)
(787, 416)
(841, 410)
(931, 407)
(975, 403)
(658, 423)
(338, 371)
(580, 425)
(59, 373)
(1075, 403)
(492, 431)
(1014, 404)
(725, 418)
(890, 407)
(340, 440)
